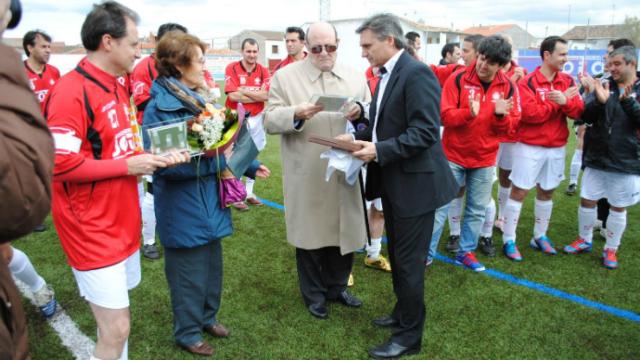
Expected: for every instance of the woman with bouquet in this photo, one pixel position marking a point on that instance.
(191, 222)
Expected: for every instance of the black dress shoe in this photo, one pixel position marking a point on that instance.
(385, 322)
(319, 310)
(392, 350)
(348, 300)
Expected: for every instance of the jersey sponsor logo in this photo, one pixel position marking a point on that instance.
(122, 80)
(258, 81)
(472, 90)
(32, 84)
(542, 93)
(243, 80)
(65, 140)
(123, 144)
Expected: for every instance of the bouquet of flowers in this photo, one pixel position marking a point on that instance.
(214, 130)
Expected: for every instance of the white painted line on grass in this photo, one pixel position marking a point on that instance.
(79, 345)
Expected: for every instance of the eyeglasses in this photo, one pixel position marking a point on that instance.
(318, 49)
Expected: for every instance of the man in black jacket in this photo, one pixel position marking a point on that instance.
(612, 145)
(407, 168)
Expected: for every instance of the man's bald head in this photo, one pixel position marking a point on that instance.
(323, 29)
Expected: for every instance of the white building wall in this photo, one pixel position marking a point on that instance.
(282, 50)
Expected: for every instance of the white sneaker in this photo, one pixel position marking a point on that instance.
(45, 300)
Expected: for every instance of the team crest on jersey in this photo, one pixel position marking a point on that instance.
(257, 81)
(542, 92)
(41, 95)
(51, 82)
(123, 144)
(138, 88)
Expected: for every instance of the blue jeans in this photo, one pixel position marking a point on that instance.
(478, 191)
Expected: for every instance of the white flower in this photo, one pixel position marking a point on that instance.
(211, 131)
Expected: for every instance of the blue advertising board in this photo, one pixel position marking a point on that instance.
(580, 61)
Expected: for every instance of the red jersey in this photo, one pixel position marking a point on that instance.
(288, 60)
(236, 76)
(469, 141)
(141, 79)
(41, 83)
(372, 80)
(544, 123)
(510, 137)
(95, 203)
(443, 72)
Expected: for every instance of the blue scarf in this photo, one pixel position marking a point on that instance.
(189, 98)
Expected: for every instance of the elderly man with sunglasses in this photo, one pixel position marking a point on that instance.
(324, 219)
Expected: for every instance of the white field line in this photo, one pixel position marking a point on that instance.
(79, 345)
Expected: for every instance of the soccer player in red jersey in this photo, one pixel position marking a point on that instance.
(41, 75)
(247, 82)
(294, 38)
(95, 197)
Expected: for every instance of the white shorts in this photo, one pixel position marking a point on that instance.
(537, 165)
(256, 130)
(377, 203)
(109, 286)
(505, 155)
(621, 190)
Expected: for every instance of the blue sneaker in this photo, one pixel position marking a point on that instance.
(577, 247)
(469, 261)
(511, 251)
(46, 301)
(544, 244)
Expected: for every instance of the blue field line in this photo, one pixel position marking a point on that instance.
(625, 314)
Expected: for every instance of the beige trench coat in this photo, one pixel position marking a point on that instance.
(317, 213)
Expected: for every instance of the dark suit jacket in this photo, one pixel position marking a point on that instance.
(411, 169)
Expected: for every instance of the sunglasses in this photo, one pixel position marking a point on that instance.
(318, 49)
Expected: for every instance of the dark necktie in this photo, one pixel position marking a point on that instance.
(374, 101)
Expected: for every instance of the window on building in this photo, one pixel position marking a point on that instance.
(274, 49)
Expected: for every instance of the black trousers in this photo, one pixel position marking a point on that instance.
(322, 273)
(409, 240)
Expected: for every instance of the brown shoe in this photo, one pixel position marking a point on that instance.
(240, 206)
(217, 330)
(201, 348)
(254, 201)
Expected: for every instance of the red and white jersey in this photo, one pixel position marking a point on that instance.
(141, 79)
(41, 83)
(95, 203)
(236, 76)
(543, 122)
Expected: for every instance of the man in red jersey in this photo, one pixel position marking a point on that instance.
(548, 97)
(141, 79)
(294, 38)
(247, 82)
(95, 201)
(479, 105)
(41, 75)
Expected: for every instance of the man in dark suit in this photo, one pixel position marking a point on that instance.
(407, 168)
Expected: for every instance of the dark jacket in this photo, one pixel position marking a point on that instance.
(612, 139)
(26, 148)
(186, 196)
(411, 169)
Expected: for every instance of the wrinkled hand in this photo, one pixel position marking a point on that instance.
(263, 172)
(503, 107)
(628, 89)
(367, 153)
(146, 164)
(474, 105)
(602, 92)
(344, 137)
(518, 73)
(352, 111)
(306, 111)
(557, 97)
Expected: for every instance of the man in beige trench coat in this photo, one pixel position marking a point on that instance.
(325, 220)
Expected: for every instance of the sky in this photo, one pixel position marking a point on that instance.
(223, 18)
